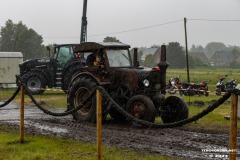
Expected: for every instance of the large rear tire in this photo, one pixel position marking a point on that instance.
(141, 107)
(175, 110)
(79, 90)
(35, 82)
(68, 74)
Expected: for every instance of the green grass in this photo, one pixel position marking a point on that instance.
(52, 148)
(215, 121)
(51, 99)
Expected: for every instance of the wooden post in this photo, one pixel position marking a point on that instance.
(22, 116)
(99, 125)
(233, 127)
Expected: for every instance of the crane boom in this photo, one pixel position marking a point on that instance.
(83, 36)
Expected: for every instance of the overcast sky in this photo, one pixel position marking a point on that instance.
(59, 21)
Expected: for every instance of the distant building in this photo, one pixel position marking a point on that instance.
(201, 56)
(221, 58)
(152, 51)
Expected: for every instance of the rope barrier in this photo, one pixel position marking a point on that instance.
(11, 98)
(111, 103)
(143, 123)
(53, 113)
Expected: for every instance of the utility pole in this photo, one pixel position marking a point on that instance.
(186, 44)
(83, 36)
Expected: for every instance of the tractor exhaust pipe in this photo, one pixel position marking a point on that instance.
(163, 64)
(135, 57)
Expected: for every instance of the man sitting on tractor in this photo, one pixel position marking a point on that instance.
(91, 58)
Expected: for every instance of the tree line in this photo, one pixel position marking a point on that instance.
(19, 38)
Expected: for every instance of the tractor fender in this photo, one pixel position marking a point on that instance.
(87, 74)
(71, 63)
(44, 72)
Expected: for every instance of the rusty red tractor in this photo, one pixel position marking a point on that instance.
(138, 91)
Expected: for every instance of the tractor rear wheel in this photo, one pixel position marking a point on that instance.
(79, 90)
(68, 74)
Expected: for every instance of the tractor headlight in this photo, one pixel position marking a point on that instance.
(146, 82)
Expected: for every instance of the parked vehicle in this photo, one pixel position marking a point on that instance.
(139, 91)
(224, 87)
(191, 89)
(173, 85)
(53, 71)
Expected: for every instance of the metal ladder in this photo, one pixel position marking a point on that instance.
(58, 78)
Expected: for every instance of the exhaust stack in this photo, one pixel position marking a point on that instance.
(163, 64)
(135, 57)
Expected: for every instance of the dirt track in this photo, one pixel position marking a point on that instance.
(169, 142)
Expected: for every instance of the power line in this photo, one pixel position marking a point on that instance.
(136, 29)
(216, 20)
(130, 30)
(157, 25)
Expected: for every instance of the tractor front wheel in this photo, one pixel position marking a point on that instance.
(174, 109)
(141, 107)
(35, 82)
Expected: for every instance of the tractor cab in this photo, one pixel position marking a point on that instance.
(63, 53)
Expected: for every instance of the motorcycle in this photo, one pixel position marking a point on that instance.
(191, 89)
(173, 85)
(221, 87)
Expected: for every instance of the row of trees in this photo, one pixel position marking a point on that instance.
(212, 47)
(19, 38)
(177, 58)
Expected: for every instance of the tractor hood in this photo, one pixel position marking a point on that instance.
(34, 63)
(138, 80)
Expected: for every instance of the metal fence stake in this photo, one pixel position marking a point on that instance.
(233, 127)
(99, 125)
(22, 116)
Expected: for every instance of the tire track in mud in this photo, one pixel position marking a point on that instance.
(168, 142)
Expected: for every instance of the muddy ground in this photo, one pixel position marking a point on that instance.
(177, 142)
